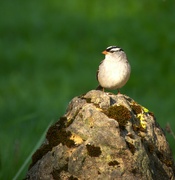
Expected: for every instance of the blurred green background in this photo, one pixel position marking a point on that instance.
(50, 51)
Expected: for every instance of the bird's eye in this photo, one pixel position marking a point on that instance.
(112, 51)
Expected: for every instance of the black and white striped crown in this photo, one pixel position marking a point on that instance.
(113, 49)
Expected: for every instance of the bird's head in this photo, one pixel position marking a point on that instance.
(112, 50)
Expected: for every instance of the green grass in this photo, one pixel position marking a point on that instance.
(50, 51)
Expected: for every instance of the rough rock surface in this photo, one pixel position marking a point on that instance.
(104, 136)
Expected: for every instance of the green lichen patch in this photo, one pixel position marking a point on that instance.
(93, 151)
(113, 163)
(120, 113)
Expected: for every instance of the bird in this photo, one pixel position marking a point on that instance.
(114, 71)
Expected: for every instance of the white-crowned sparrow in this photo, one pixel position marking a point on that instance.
(114, 70)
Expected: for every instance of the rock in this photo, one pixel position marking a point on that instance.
(104, 136)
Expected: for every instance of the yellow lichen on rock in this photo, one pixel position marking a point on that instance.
(77, 139)
(140, 112)
(141, 117)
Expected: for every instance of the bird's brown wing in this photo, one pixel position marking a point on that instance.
(97, 74)
(98, 70)
(99, 86)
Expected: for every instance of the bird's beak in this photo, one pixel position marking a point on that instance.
(104, 52)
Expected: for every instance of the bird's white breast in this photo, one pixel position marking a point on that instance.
(113, 73)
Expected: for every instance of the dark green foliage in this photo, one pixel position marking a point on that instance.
(50, 51)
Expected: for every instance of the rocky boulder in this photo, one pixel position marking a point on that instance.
(104, 136)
